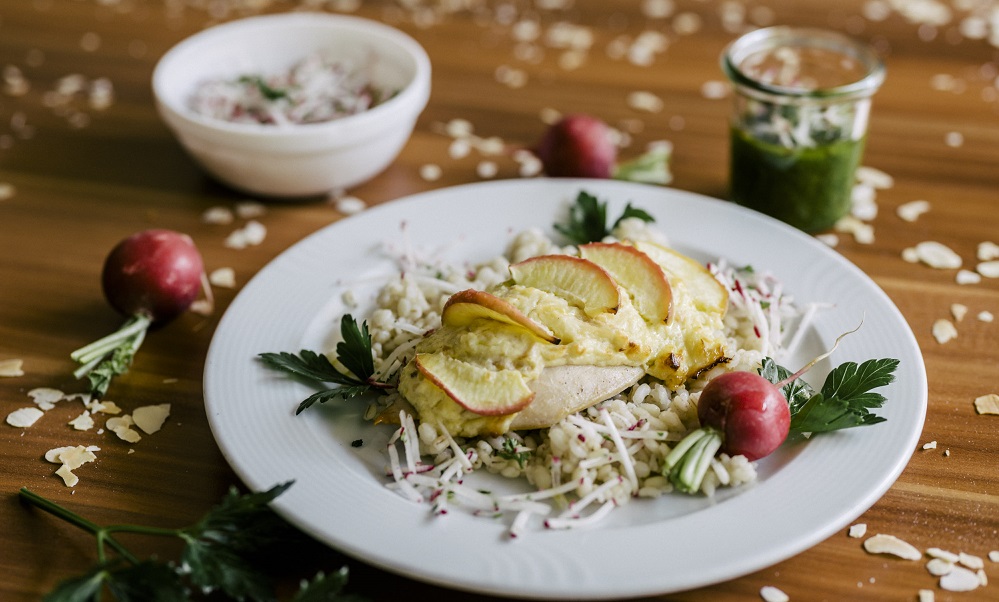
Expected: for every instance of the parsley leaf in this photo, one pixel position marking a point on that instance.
(587, 220)
(353, 352)
(846, 398)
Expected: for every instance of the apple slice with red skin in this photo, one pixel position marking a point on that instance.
(479, 390)
(579, 281)
(468, 305)
(637, 273)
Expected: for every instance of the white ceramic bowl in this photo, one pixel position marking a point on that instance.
(296, 160)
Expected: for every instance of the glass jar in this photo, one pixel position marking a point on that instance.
(799, 122)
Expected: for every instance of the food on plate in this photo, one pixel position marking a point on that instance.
(151, 277)
(317, 89)
(528, 366)
(549, 330)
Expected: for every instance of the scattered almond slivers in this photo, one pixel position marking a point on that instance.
(987, 404)
(151, 418)
(122, 426)
(858, 530)
(934, 254)
(24, 417)
(912, 210)
(944, 331)
(889, 544)
(71, 457)
(11, 368)
(770, 593)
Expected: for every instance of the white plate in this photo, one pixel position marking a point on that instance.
(806, 491)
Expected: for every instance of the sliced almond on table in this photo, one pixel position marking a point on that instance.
(944, 331)
(889, 544)
(151, 418)
(960, 579)
(987, 404)
(24, 417)
(11, 368)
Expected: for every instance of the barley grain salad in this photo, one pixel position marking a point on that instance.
(574, 361)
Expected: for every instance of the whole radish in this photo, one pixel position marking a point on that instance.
(578, 145)
(154, 273)
(151, 277)
(749, 411)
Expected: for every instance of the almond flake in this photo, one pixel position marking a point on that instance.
(151, 418)
(83, 422)
(989, 269)
(223, 278)
(829, 239)
(910, 255)
(105, 407)
(939, 567)
(770, 593)
(350, 205)
(950, 557)
(431, 172)
(221, 216)
(926, 595)
(24, 417)
(960, 579)
(912, 210)
(858, 530)
(46, 398)
(994, 555)
(862, 233)
(11, 368)
(944, 331)
(645, 101)
(937, 255)
(958, 310)
(67, 475)
(122, 426)
(967, 277)
(971, 561)
(889, 544)
(874, 177)
(987, 251)
(250, 209)
(987, 404)
(930, 445)
(985, 316)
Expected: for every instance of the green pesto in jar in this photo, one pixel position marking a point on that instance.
(806, 187)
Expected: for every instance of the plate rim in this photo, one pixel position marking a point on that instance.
(289, 505)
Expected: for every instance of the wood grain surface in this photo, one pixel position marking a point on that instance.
(75, 178)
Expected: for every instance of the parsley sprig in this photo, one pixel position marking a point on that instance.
(587, 220)
(353, 352)
(845, 399)
(215, 557)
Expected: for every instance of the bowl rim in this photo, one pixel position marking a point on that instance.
(415, 92)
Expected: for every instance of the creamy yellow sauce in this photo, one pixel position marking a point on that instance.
(672, 352)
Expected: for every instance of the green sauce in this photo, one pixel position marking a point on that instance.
(806, 187)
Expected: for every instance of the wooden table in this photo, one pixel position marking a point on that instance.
(75, 178)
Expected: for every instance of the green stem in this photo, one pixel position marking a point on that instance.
(102, 533)
(688, 462)
(103, 346)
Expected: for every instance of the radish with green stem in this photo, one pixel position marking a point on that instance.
(743, 413)
(151, 277)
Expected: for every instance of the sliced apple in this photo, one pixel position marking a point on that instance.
(479, 390)
(638, 274)
(579, 281)
(563, 390)
(466, 306)
(704, 289)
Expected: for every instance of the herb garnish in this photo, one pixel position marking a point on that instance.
(215, 557)
(353, 352)
(266, 90)
(588, 219)
(845, 400)
(512, 451)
